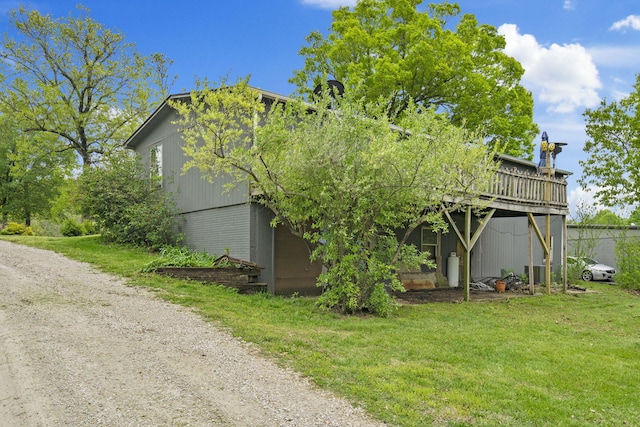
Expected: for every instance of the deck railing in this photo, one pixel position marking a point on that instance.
(515, 186)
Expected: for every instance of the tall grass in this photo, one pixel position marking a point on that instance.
(559, 360)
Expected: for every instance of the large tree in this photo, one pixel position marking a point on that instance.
(345, 179)
(32, 170)
(75, 79)
(401, 51)
(612, 166)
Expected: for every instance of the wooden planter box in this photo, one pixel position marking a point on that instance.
(243, 279)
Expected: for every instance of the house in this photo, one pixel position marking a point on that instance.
(220, 221)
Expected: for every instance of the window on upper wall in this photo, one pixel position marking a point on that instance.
(155, 163)
(431, 242)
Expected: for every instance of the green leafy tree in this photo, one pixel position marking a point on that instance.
(127, 207)
(32, 171)
(75, 79)
(612, 166)
(588, 235)
(607, 217)
(65, 205)
(634, 217)
(353, 187)
(400, 51)
(628, 262)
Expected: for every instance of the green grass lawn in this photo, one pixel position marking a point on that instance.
(559, 360)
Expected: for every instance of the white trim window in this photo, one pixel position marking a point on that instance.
(155, 162)
(430, 242)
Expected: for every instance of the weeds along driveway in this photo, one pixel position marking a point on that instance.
(79, 347)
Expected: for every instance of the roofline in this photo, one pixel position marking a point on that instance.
(604, 226)
(263, 93)
(277, 97)
(153, 115)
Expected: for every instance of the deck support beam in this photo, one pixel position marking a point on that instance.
(565, 239)
(545, 242)
(468, 241)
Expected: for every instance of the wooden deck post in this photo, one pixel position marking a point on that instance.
(532, 285)
(547, 264)
(547, 231)
(543, 242)
(467, 258)
(468, 242)
(564, 253)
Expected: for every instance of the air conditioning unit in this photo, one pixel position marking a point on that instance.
(538, 273)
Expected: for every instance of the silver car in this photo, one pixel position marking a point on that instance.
(591, 269)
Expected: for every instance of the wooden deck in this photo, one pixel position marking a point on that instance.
(533, 192)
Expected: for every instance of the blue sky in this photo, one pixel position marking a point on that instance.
(575, 52)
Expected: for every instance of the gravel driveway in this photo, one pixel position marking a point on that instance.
(81, 348)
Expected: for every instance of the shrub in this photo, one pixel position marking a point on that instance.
(71, 227)
(126, 205)
(89, 227)
(46, 227)
(173, 256)
(13, 228)
(628, 263)
(353, 285)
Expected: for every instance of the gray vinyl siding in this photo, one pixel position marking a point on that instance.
(159, 134)
(212, 218)
(244, 230)
(504, 246)
(191, 190)
(216, 230)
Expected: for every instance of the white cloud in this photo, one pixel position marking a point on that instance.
(329, 4)
(569, 4)
(580, 200)
(619, 65)
(562, 76)
(631, 21)
(583, 202)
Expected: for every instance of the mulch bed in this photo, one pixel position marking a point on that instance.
(453, 295)
(456, 295)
